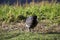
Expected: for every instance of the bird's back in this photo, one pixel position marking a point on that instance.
(29, 20)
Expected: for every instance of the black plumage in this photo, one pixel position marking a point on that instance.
(31, 22)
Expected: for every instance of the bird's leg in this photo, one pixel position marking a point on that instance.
(30, 29)
(27, 28)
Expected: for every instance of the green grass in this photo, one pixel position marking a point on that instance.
(44, 11)
(16, 35)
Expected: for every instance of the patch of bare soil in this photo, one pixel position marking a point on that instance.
(45, 26)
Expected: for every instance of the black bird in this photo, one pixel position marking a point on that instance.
(31, 22)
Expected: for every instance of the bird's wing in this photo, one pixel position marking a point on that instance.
(29, 20)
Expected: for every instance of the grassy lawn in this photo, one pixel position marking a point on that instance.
(17, 35)
(47, 11)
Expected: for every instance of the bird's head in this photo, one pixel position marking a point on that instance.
(34, 17)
